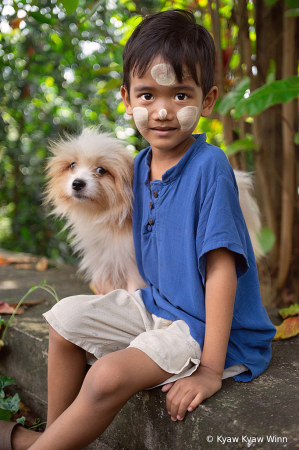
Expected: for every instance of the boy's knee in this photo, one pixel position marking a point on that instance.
(104, 380)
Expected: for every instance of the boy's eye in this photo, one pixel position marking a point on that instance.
(181, 96)
(147, 97)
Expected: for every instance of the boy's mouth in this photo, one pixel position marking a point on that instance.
(163, 128)
(163, 131)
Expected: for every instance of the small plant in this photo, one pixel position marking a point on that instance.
(44, 286)
(11, 405)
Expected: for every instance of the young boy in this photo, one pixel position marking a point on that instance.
(200, 318)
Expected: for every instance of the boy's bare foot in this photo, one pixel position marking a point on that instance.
(22, 438)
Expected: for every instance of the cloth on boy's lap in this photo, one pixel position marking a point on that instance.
(102, 324)
(176, 221)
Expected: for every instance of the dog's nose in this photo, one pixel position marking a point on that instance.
(78, 185)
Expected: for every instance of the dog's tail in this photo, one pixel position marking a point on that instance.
(250, 210)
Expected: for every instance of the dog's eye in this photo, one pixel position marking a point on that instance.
(73, 165)
(101, 170)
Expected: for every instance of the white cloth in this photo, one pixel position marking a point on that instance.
(101, 324)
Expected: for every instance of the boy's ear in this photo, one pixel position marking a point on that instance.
(126, 100)
(209, 102)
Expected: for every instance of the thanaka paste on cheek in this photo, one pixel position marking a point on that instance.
(140, 115)
(187, 117)
(162, 114)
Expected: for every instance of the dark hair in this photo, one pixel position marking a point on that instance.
(176, 36)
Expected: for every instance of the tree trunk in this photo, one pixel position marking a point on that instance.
(288, 176)
(267, 126)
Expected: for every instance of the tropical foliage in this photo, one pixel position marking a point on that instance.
(61, 64)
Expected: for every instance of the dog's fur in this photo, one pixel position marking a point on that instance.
(250, 210)
(99, 214)
(98, 206)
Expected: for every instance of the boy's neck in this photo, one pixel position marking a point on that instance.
(162, 160)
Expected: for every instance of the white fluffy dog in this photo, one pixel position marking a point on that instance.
(91, 177)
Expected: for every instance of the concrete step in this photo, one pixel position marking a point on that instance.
(265, 410)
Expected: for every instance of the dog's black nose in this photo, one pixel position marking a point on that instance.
(77, 185)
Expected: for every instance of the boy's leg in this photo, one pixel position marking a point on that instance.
(66, 372)
(108, 385)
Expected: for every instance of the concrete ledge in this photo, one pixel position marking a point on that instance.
(265, 409)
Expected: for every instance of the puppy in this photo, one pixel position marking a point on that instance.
(90, 185)
(91, 177)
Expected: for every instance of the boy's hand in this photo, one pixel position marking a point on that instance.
(187, 393)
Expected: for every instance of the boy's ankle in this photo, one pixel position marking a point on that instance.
(22, 438)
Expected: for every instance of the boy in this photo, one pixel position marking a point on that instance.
(200, 318)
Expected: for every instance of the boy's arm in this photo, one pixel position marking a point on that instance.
(221, 283)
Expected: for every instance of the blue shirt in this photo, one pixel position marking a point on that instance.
(176, 221)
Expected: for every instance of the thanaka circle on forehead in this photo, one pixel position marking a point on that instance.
(140, 115)
(163, 74)
(187, 117)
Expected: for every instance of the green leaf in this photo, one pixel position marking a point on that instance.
(5, 415)
(296, 139)
(5, 381)
(281, 91)
(216, 105)
(11, 403)
(104, 70)
(2, 321)
(240, 145)
(292, 310)
(129, 27)
(112, 84)
(292, 4)
(40, 18)
(70, 5)
(25, 232)
(271, 73)
(267, 239)
(235, 61)
(233, 97)
(270, 2)
(21, 420)
(292, 12)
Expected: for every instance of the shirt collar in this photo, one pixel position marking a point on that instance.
(174, 171)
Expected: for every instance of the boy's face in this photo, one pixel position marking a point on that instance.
(165, 111)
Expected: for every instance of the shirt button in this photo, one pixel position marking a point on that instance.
(155, 194)
(150, 221)
(151, 205)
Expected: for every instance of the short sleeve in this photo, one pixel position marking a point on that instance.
(221, 224)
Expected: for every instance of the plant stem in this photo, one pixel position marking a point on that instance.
(37, 425)
(46, 287)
